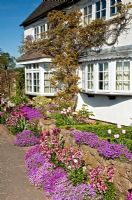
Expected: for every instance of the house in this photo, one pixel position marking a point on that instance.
(105, 77)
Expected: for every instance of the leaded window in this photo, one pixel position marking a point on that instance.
(90, 76)
(123, 75)
(29, 82)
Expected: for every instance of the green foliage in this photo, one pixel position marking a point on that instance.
(22, 124)
(6, 61)
(62, 120)
(17, 100)
(57, 162)
(43, 103)
(20, 82)
(76, 176)
(84, 112)
(3, 118)
(110, 193)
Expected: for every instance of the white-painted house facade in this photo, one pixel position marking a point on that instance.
(105, 77)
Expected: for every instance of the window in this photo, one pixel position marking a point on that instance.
(47, 84)
(35, 66)
(123, 75)
(43, 29)
(36, 33)
(101, 9)
(36, 82)
(113, 7)
(90, 76)
(103, 76)
(29, 82)
(83, 77)
(28, 66)
(87, 14)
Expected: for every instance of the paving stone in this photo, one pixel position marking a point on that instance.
(14, 184)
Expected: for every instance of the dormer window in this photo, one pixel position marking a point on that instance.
(101, 9)
(113, 7)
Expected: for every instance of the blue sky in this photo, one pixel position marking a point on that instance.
(12, 13)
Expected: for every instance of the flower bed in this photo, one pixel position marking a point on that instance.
(62, 173)
(103, 147)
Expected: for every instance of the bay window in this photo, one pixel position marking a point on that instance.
(103, 76)
(123, 75)
(101, 9)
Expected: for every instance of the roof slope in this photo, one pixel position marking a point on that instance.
(43, 9)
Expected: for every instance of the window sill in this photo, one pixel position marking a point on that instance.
(106, 93)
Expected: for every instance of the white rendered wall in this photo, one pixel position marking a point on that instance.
(118, 111)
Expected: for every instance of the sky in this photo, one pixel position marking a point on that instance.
(12, 14)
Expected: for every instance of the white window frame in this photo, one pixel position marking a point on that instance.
(36, 87)
(90, 72)
(103, 78)
(101, 10)
(36, 33)
(87, 18)
(43, 29)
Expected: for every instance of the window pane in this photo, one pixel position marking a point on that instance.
(90, 9)
(112, 2)
(97, 14)
(103, 4)
(85, 11)
(126, 66)
(112, 10)
(100, 67)
(98, 6)
(103, 13)
(100, 76)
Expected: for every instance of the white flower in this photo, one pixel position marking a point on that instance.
(74, 113)
(109, 131)
(84, 169)
(75, 160)
(123, 131)
(118, 125)
(69, 167)
(116, 136)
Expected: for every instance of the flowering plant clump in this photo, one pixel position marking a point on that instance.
(16, 122)
(26, 138)
(30, 113)
(99, 176)
(104, 148)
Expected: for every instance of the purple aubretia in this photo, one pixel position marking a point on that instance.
(26, 138)
(30, 113)
(104, 148)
